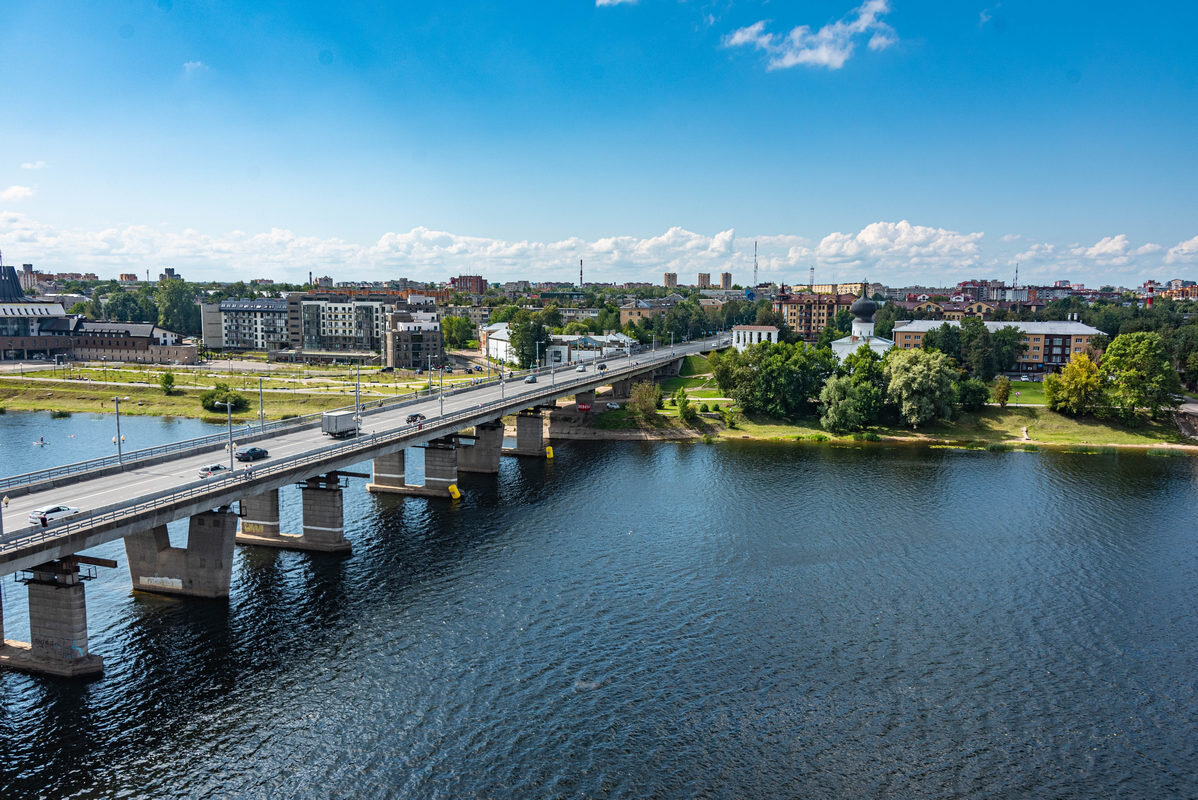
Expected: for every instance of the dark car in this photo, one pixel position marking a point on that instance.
(251, 453)
(387, 369)
(415, 418)
(603, 367)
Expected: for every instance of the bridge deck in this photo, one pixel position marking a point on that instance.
(112, 506)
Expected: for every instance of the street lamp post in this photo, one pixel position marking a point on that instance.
(441, 392)
(261, 407)
(358, 396)
(118, 439)
(536, 365)
(229, 416)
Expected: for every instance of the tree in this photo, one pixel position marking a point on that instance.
(221, 393)
(842, 405)
(1001, 390)
(945, 339)
(1192, 369)
(1077, 389)
(643, 399)
(864, 367)
(1137, 375)
(456, 331)
(977, 348)
(504, 313)
(782, 380)
(167, 382)
(177, 309)
(921, 384)
(972, 394)
(529, 338)
(1008, 346)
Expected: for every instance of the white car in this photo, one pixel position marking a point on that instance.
(212, 469)
(613, 406)
(46, 514)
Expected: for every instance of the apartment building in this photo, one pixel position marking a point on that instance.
(1048, 345)
(670, 280)
(808, 314)
(725, 280)
(251, 324)
(704, 280)
(413, 339)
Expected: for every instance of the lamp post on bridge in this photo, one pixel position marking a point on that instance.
(229, 416)
(261, 407)
(118, 439)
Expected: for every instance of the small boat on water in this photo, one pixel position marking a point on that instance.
(41, 442)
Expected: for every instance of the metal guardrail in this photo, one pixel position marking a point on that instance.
(117, 511)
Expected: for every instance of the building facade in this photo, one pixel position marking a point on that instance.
(253, 324)
(670, 280)
(704, 280)
(808, 314)
(725, 280)
(1047, 345)
(413, 340)
(745, 335)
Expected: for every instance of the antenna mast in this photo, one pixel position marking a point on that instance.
(580, 274)
(811, 278)
(754, 263)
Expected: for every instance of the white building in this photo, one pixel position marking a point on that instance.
(863, 331)
(745, 335)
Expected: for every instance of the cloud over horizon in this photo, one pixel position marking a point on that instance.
(897, 253)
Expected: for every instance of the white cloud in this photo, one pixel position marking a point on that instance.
(1012, 237)
(34, 165)
(898, 253)
(194, 67)
(830, 47)
(1183, 252)
(601, 3)
(13, 193)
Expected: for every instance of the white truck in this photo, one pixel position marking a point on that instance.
(339, 424)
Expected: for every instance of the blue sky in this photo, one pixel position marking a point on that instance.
(904, 141)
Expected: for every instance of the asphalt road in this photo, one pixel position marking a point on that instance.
(107, 490)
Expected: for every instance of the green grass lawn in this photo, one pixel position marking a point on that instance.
(1030, 393)
(694, 365)
(24, 395)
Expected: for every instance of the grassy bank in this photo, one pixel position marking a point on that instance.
(82, 397)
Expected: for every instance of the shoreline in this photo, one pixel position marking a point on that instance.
(566, 426)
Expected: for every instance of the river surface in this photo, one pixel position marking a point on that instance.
(635, 620)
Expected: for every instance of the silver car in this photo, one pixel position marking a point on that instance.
(47, 514)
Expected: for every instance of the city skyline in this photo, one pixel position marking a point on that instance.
(910, 143)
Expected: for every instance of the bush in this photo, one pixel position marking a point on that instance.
(59, 414)
(167, 382)
(731, 417)
(221, 393)
(1001, 390)
(703, 408)
(973, 394)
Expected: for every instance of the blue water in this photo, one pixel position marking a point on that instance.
(670, 621)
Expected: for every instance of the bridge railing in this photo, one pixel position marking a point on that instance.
(172, 496)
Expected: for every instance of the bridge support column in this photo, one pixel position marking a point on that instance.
(585, 398)
(324, 520)
(530, 435)
(388, 473)
(57, 626)
(622, 388)
(484, 455)
(440, 466)
(260, 515)
(203, 568)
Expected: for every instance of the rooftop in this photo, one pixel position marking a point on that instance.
(1062, 327)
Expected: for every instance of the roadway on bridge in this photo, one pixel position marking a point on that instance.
(97, 492)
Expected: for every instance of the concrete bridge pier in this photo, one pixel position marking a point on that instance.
(203, 568)
(530, 435)
(388, 474)
(57, 625)
(585, 398)
(483, 456)
(324, 520)
(440, 467)
(622, 387)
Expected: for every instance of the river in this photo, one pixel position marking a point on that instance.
(662, 620)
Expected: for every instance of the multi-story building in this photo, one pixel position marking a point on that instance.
(471, 284)
(478, 315)
(30, 329)
(808, 314)
(670, 280)
(725, 280)
(348, 322)
(253, 324)
(638, 310)
(413, 339)
(1047, 345)
(704, 280)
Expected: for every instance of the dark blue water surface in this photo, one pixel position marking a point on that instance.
(664, 621)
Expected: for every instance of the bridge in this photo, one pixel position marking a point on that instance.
(135, 496)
